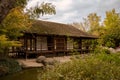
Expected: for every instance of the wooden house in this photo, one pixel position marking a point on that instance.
(52, 38)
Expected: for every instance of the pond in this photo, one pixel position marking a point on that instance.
(27, 74)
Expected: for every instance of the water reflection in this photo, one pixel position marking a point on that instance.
(28, 74)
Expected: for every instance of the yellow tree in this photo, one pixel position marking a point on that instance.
(7, 5)
(17, 20)
(111, 38)
(11, 28)
(93, 22)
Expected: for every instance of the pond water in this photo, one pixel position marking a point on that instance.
(27, 74)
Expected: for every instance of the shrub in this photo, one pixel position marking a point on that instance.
(3, 70)
(94, 67)
(9, 66)
(111, 58)
(100, 49)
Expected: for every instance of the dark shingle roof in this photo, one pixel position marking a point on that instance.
(52, 28)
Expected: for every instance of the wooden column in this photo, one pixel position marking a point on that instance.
(65, 49)
(80, 45)
(41, 44)
(26, 47)
(35, 44)
(31, 44)
(54, 46)
(25, 43)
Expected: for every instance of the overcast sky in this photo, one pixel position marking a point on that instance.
(68, 11)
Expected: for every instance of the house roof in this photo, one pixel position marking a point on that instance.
(52, 28)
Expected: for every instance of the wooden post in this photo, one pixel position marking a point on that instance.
(26, 47)
(26, 55)
(54, 46)
(41, 44)
(80, 45)
(30, 44)
(35, 43)
(65, 44)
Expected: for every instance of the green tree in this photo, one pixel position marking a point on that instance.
(17, 20)
(93, 23)
(40, 10)
(5, 44)
(111, 37)
(10, 29)
(7, 5)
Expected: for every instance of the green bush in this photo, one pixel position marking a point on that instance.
(9, 66)
(93, 67)
(102, 50)
(111, 58)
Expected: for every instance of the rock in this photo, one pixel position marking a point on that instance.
(49, 61)
(40, 59)
(118, 49)
(112, 50)
(46, 61)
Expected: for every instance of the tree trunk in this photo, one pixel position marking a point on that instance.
(5, 7)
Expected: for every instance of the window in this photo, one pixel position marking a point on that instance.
(60, 43)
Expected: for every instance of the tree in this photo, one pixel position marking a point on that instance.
(5, 43)
(79, 26)
(92, 23)
(40, 10)
(7, 5)
(111, 37)
(10, 29)
(16, 20)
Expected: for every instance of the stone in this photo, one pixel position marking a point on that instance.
(118, 49)
(49, 61)
(40, 59)
(112, 50)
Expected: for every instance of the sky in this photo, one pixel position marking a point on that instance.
(69, 11)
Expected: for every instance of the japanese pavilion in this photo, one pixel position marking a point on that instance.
(46, 38)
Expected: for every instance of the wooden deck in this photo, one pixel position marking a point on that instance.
(48, 53)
